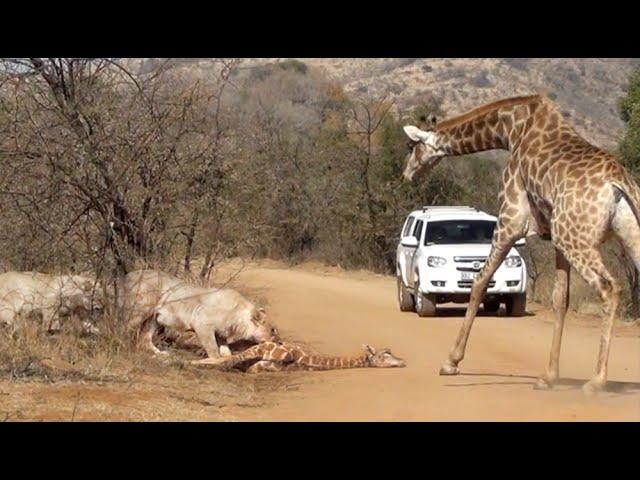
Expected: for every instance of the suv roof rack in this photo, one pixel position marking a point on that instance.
(449, 207)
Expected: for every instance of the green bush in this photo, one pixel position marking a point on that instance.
(629, 108)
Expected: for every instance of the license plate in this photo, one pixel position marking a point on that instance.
(468, 275)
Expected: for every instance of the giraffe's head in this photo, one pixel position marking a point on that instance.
(424, 151)
(382, 358)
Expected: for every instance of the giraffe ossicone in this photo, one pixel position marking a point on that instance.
(416, 134)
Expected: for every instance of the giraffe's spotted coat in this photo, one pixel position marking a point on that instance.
(285, 356)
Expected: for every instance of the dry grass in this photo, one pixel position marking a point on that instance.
(73, 376)
(27, 350)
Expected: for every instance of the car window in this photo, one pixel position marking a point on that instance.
(408, 226)
(459, 231)
(417, 232)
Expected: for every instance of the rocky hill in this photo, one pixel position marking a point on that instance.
(586, 89)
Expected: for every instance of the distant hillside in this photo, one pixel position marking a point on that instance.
(587, 90)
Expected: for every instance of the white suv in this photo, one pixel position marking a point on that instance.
(442, 249)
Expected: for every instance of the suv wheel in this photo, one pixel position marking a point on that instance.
(405, 298)
(516, 305)
(492, 306)
(425, 304)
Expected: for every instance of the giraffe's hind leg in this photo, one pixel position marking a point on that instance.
(588, 263)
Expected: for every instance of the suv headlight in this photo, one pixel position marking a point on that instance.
(512, 262)
(436, 261)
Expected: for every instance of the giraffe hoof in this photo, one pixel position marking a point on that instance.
(543, 384)
(448, 369)
(592, 387)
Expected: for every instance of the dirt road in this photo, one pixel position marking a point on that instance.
(336, 312)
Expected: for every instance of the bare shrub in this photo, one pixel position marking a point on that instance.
(105, 169)
(111, 165)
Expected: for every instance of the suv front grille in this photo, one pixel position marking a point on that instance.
(469, 269)
(473, 264)
(469, 283)
(469, 259)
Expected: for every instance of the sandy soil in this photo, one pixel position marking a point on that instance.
(335, 312)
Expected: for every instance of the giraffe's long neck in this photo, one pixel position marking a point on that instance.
(321, 362)
(257, 352)
(495, 126)
(271, 351)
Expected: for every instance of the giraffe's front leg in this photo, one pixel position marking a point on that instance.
(503, 239)
(210, 361)
(560, 302)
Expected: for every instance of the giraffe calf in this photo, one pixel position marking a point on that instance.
(284, 356)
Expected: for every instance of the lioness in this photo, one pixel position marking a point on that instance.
(153, 299)
(53, 296)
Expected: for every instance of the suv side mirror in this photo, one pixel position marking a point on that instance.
(411, 242)
(521, 243)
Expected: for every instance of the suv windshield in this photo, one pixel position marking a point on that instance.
(459, 231)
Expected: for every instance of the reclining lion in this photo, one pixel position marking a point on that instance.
(153, 299)
(54, 296)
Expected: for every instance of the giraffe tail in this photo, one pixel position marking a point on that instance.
(627, 232)
(628, 189)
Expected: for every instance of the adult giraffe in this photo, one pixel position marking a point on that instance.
(556, 185)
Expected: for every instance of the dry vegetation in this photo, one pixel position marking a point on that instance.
(587, 89)
(115, 380)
